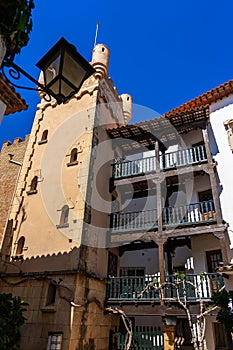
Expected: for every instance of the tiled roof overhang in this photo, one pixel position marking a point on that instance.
(204, 100)
(189, 120)
(11, 98)
(187, 117)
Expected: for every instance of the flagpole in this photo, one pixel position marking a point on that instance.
(96, 32)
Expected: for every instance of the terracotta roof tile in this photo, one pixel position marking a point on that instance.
(11, 98)
(204, 100)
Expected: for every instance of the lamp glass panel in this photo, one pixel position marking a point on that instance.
(73, 71)
(55, 87)
(61, 88)
(52, 70)
(66, 89)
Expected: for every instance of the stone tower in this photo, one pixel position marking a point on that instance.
(56, 229)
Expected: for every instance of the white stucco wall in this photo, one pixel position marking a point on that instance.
(147, 258)
(209, 333)
(229, 282)
(140, 204)
(198, 184)
(219, 113)
(192, 187)
(200, 245)
(182, 254)
(192, 137)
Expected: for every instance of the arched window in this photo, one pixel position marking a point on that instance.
(44, 136)
(51, 294)
(20, 246)
(74, 155)
(34, 183)
(64, 215)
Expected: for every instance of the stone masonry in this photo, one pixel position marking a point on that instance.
(8, 176)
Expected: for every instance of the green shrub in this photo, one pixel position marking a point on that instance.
(11, 319)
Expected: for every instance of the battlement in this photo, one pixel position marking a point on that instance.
(18, 142)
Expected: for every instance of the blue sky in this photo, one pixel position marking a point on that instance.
(162, 52)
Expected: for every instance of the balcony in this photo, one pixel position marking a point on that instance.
(190, 156)
(142, 220)
(189, 214)
(143, 337)
(181, 158)
(134, 167)
(129, 288)
(197, 213)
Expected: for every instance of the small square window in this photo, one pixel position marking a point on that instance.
(54, 341)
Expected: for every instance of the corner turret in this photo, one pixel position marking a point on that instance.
(127, 107)
(100, 61)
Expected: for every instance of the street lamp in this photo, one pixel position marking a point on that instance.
(64, 71)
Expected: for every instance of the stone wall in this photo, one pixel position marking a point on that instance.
(8, 176)
(82, 323)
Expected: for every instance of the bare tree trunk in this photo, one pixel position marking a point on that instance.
(198, 338)
(127, 323)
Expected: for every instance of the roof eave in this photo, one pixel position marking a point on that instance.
(13, 101)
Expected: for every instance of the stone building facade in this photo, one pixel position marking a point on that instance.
(9, 172)
(102, 208)
(56, 262)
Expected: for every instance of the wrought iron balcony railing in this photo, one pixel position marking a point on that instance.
(168, 161)
(134, 288)
(143, 337)
(172, 216)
